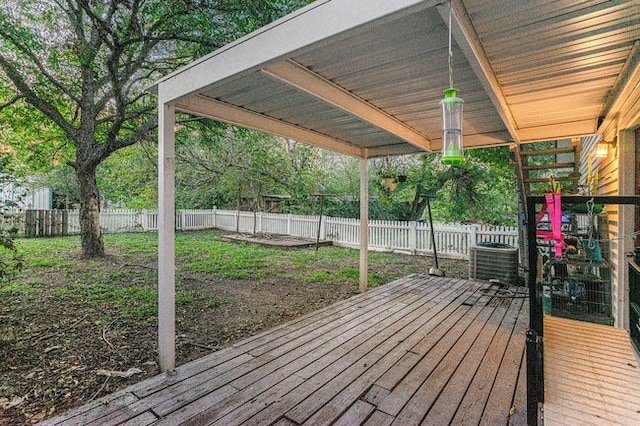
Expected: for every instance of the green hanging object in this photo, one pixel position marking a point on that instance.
(452, 151)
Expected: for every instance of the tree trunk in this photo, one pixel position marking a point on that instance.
(90, 233)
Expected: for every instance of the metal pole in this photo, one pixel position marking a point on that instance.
(433, 236)
(320, 221)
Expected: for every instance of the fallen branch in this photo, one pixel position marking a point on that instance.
(152, 268)
(95, 395)
(201, 346)
(104, 334)
(57, 333)
(124, 374)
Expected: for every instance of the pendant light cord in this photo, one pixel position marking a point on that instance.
(450, 51)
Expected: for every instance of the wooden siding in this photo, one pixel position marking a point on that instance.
(610, 181)
(592, 374)
(420, 350)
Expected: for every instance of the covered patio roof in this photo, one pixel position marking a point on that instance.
(364, 78)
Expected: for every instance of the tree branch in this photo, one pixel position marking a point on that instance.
(11, 102)
(31, 97)
(22, 48)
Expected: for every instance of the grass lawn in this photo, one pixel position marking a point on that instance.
(64, 318)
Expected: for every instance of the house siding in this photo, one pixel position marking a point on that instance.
(616, 177)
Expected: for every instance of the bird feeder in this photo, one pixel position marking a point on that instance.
(452, 152)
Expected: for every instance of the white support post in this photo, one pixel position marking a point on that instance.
(364, 222)
(166, 236)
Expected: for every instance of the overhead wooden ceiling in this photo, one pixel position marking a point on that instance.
(364, 77)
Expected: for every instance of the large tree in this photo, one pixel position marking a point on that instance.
(83, 64)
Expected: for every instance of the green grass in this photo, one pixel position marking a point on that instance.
(130, 302)
(209, 254)
(126, 280)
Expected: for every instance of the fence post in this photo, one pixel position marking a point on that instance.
(144, 221)
(323, 228)
(413, 236)
(65, 223)
(260, 222)
(473, 235)
(289, 224)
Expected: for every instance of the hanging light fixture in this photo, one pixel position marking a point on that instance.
(452, 152)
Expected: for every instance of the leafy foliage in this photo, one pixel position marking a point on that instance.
(481, 190)
(75, 71)
(11, 259)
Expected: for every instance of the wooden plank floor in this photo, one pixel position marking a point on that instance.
(420, 350)
(591, 373)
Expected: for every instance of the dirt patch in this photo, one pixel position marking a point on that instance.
(67, 337)
(275, 240)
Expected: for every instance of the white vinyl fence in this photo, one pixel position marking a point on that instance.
(408, 237)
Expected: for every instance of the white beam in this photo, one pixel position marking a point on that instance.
(469, 42)
(399, 149)
(320, 22)
(166, 236)
(211, 108)
(364, 222)
(302, 78)
(558, 131)
(479, 140)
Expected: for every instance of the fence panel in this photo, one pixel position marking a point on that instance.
(343, 230)
(389, 235)
(304, 226)
(274, 223)
(498, 234)
(45, 223)
(120, 220)
(225, 219)
(410, 237)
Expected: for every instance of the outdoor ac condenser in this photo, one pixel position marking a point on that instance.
(489, 261)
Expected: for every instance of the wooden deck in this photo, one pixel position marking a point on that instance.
(591, 373)
(420, 350)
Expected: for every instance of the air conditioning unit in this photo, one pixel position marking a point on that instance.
(488, 261)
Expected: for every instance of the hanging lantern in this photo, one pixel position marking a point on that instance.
(452, 152)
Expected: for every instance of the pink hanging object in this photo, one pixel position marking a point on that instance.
(554, 206)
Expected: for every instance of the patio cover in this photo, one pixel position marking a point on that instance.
(364, 78)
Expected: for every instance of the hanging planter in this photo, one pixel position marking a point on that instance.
(389, 183)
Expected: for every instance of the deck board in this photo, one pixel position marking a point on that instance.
(592, 374)
(412, 351)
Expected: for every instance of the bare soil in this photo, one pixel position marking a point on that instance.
(56, 350)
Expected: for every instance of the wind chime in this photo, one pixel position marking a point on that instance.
(452, 152)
